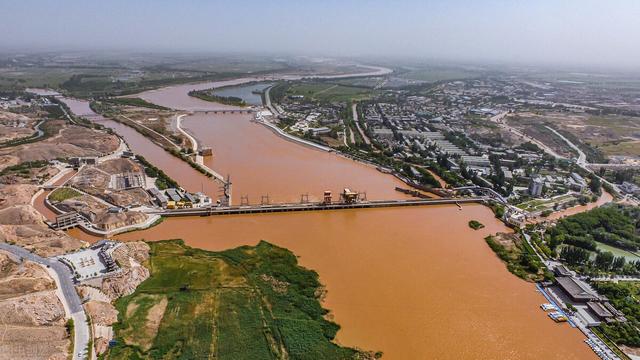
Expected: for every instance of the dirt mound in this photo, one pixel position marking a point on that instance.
(34, 342)
(20, 215)
(33, 176)
(129, 197)
(111, 221)
(101, 313)
(15, 126)
(90, 139)
(32, 316)
(7, 160)
(125, 283)
(86, 205)
(91, 180)
(43, 308)
(71, 141)
(17, 279)
(11, 195)
(40, 239)
(136, 250)
(508, 240)
(117, 166)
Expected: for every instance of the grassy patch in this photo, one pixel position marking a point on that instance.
(628, 148)
(24, 168)
(135, 102)
(245, 303)
(519, 257)
(475, 225)
(208, 95)
(330, 93)
(62, 194)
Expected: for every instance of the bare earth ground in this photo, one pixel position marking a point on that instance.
(533, 126)
(490, 132)
(15, 126)
(95, 181)
(612, 134)
(22, 224)
(158, 120)
(31, 314)
(32, 176)
(71, 141)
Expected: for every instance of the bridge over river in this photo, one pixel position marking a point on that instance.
(222, 111)
(236, 210)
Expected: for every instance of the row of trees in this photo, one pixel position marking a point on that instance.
(604, 261)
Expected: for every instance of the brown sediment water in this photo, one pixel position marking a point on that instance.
(39, 203)
(178, 95)
(414, 283)
(179, 170)
(263, 164)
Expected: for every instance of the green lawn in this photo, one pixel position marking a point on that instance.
(327, 92)
(245, 303)
(62, 194)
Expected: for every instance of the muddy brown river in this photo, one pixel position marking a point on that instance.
(414, 283)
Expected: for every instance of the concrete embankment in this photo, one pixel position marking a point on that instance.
(292, 138)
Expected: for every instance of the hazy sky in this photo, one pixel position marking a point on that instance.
(596, 32)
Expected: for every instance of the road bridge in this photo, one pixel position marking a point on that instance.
(222, 111)
(237, 210)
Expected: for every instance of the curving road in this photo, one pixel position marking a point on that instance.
(70, 299)
(582, 157)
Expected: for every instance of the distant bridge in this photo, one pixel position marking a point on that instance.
(222, 111)
(236, 210)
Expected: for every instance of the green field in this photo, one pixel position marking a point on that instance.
(627, 148)
(138, 102)
(326, 92)
(252, 302)
(62, 194)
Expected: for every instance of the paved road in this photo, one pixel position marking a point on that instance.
(582, 157)
(70, 298)
(354, 108)
(193, 140)
(499, 120)
(267, 99)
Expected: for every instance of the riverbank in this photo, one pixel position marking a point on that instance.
(260, 301)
